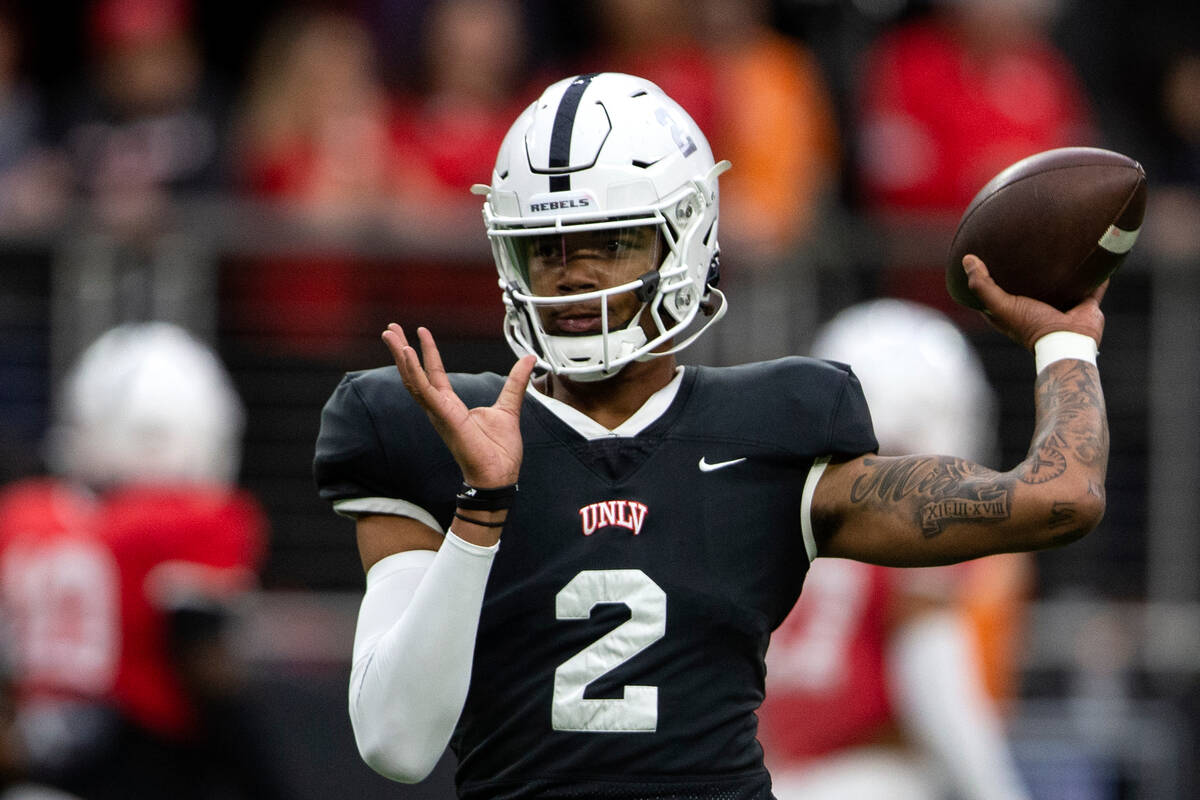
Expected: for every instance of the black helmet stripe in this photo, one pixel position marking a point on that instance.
(560, 135)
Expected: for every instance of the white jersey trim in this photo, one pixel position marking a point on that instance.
(810, 487)
(356, 507)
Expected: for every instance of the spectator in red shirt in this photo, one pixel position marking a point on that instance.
(312, 139)
(472, 83)
(946, 101)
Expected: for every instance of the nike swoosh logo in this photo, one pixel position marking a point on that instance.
(707, 467)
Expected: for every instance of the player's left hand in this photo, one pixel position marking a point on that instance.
(1024, 319)
(485, 441)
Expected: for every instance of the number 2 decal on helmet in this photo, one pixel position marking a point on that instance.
(687, 145)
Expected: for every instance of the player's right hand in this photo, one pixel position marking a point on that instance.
(1024, 319)
(485, 441)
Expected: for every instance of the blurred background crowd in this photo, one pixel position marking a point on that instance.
(281, 179)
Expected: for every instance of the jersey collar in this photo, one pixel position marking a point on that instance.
(654, 407)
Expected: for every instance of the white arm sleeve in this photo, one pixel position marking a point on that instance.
(413, 649)
(939, 696)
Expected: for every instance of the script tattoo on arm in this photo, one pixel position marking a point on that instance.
(1063, 522)
(1071, 423)
(1062, 514)
(933, 490)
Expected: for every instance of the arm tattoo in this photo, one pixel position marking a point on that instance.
(1050, 498)
(1071, 423)
(1047, 461)
(1061, 514)
(934, 490)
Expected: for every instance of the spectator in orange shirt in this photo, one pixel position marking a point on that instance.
(776, 121)
(774, 116)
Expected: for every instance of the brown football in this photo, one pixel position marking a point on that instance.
(1052, 226)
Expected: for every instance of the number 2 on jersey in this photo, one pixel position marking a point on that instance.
(637, 710)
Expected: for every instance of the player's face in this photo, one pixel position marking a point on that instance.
(573, 263)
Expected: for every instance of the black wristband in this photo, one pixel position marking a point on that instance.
(479, 521)
(475, 499)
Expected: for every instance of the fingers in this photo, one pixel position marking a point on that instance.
(406, 361)
(402, 353)
(483, 442)
(434, 369)
(396, 341)
(1098, 293)
(1025, 319)
(1087, 317)
(979, 280)
(426, 382)
(513, 391)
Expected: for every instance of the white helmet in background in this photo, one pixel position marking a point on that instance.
(925, 385)
(607, 151)
(148, 403)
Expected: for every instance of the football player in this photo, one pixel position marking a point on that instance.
(121, 572)
(850, 709)
(665, 516)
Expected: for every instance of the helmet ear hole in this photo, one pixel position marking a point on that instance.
(684, 211)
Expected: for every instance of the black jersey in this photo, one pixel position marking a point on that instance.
(621, 641)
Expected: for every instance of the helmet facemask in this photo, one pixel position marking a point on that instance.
(570, 293)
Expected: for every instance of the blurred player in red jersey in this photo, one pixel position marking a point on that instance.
(877, 681)
(120, 577)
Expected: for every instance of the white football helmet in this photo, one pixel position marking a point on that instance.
(605, 152)
(925, 385)
(147, 403)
